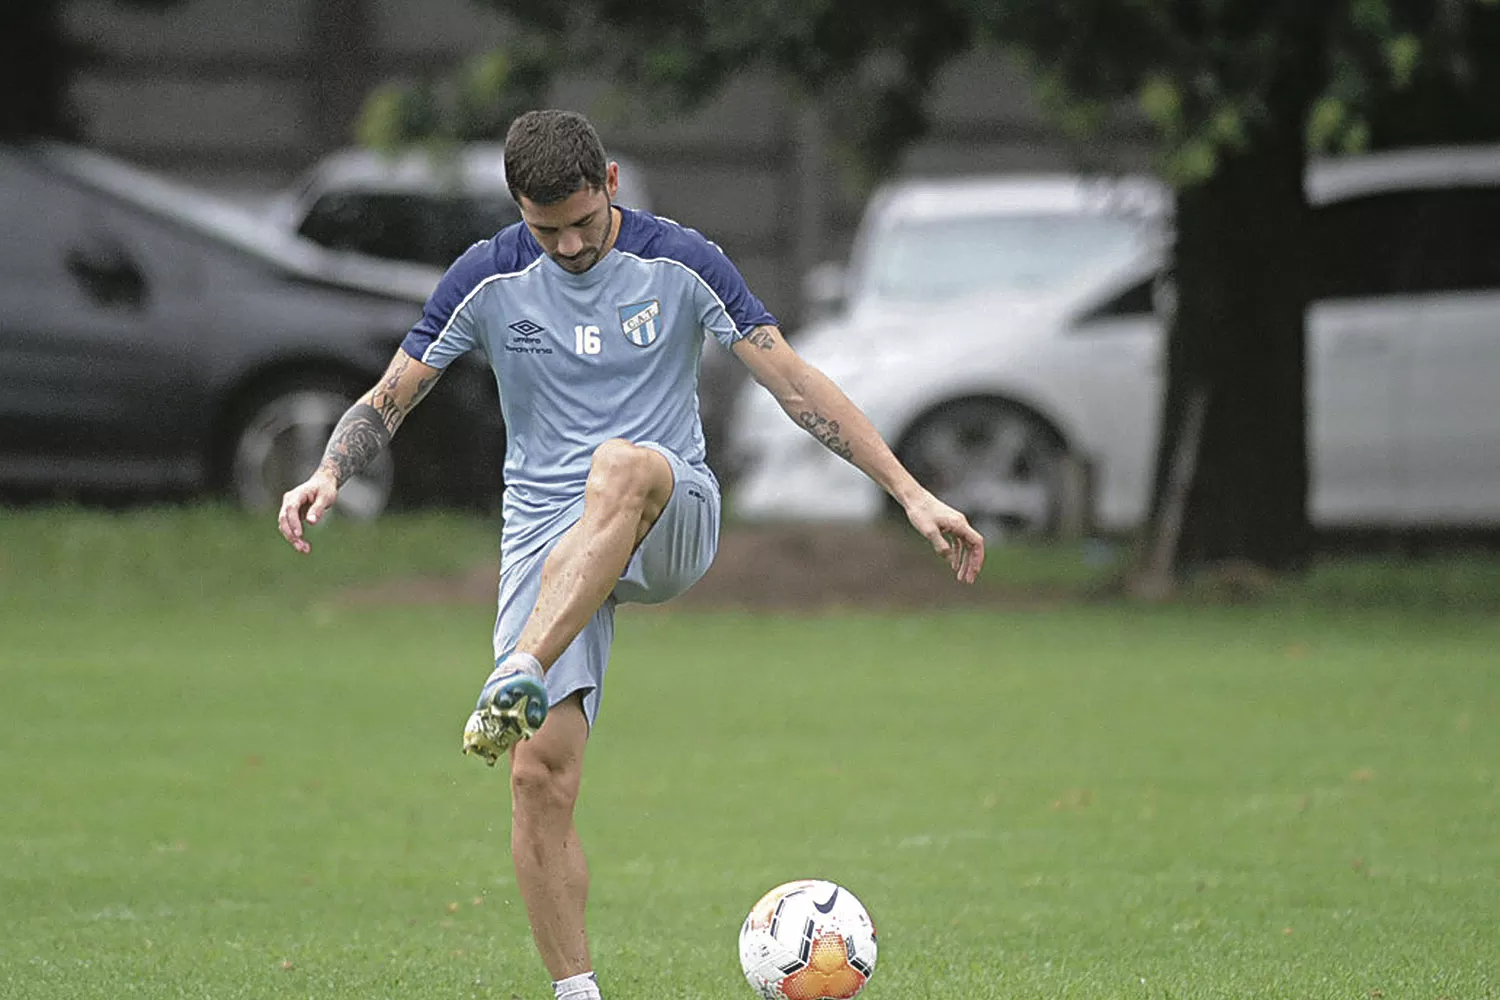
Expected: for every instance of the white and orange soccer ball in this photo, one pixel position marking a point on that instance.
(808, 940)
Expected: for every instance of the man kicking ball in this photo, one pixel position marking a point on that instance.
(593, 318)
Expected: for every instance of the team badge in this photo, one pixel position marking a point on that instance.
(639, 322)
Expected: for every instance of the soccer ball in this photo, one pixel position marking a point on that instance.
(808, 940)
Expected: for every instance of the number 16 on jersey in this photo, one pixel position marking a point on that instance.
(586, 339)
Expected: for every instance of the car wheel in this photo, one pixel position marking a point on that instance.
(996, 462)
(280, 443)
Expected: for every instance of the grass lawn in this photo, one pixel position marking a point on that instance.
(217, 782)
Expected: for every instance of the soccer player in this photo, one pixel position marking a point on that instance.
(593, 318)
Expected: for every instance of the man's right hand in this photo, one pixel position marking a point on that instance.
(309, 501)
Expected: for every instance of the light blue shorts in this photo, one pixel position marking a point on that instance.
(675, 553)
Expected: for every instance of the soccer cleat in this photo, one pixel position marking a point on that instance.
(511, 708)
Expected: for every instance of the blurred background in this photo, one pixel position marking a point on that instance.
(1054, 290)
(245, 99)
(1174, 298)
(259, 106)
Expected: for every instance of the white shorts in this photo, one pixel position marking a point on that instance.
(675, 553)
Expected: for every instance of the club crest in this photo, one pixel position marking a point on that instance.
(639, 322)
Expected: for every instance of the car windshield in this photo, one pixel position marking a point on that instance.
(944, 258)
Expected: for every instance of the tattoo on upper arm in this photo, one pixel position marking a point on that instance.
(360, 436)
(761, 337)
(826, 431)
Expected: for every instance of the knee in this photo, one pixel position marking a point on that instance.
(622, 473)
(541, 789)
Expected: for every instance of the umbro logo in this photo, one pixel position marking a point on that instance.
(527, 339)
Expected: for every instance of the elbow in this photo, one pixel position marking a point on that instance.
(791, 398)
(791, 388)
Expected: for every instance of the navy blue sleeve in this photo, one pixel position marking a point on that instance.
(447, 328)
(733, 299)
(443, 332)
(730, 310)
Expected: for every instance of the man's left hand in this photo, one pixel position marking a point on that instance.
(951, 535)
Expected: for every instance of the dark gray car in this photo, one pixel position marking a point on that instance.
(156, 342)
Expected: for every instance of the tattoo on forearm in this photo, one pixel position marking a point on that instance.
(761, 337)
(826, 431)
(389, 410)
(423, 388)
(359, 437)
(386, 397)
(393, 376)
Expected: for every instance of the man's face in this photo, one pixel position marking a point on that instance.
(574, 231)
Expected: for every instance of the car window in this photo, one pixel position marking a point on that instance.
(425, 228)
(1136, 302)
(1407, 243)
(1458, 230)
(1361, 248)
(919, 261)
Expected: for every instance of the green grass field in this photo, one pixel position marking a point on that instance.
(218, 782)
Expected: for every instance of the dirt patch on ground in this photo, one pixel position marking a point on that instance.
(817, 567)
(792, 568)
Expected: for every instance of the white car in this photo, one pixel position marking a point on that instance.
(1003, 334)
(415, 206)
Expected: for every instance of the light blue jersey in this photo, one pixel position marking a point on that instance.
(581, 358)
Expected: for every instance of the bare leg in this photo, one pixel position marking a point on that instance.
(627, 488)
(550, 867)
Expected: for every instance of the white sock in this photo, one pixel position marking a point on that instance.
(580, 987)
(524, 662)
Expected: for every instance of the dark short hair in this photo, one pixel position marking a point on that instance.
(551, 154)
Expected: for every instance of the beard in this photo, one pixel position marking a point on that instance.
(580, 262)
(592, 252)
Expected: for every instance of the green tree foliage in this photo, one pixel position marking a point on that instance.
(1198, 70)
(880, 57)
(1236, 92)
(477, 102)
(1206, 72)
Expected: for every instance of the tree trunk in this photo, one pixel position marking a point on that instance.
(1237, 338)
(1236, 345)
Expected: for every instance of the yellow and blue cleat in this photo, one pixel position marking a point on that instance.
(512, 707)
